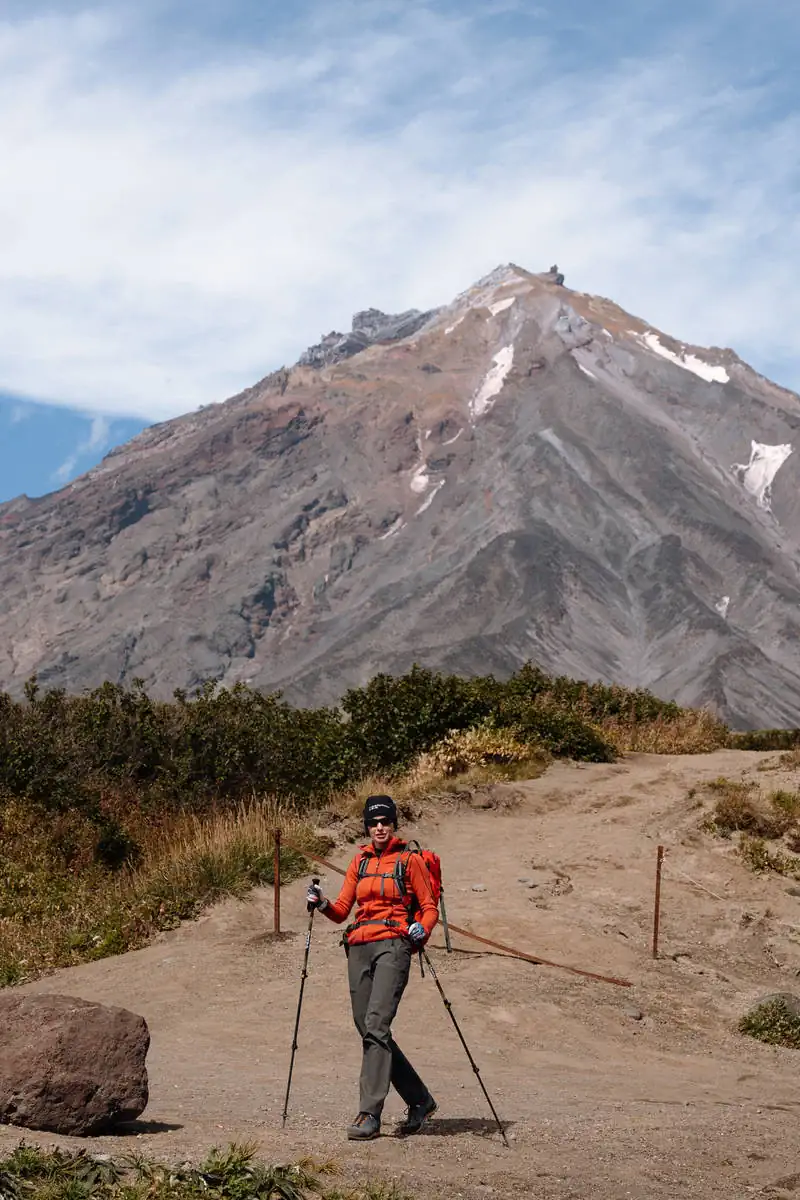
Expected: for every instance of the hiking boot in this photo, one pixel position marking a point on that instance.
(416, 1117)
(365, 1127)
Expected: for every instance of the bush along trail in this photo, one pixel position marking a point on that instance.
(121, 815)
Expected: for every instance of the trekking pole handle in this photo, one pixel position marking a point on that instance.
(315, 883)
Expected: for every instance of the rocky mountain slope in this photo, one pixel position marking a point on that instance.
(527, 472)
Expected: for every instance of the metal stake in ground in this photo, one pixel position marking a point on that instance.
(657, 900)
(311, 910)
(276, 880)
(472, 1062)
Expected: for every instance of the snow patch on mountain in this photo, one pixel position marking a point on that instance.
(722, 606)
(394, 528)
(689, 362)
(420, 479)
(758, 474)
(450, 328)
(586, 371)
(450, 441)
(501, 305)
(493, 382)
(429, 499)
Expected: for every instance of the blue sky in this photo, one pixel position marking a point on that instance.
(193, 192)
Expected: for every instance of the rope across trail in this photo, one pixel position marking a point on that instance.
(507, 950)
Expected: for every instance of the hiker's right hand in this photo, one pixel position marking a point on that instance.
(315, 898)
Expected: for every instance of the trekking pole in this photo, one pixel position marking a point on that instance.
(311, 909)
(445, 926)
(472, 1062)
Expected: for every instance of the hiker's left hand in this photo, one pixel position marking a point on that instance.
(416, 933)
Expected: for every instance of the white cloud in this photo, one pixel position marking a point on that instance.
(97, 440)
(169, 236)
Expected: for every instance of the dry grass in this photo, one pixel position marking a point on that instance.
(760, 817)
(694, 731)
(224, 855)
(31, 1173)
(497, 750)
(790, 759)
(349, 803)
(760, 857)
(53, 917)
(464, 760)
(744, 807)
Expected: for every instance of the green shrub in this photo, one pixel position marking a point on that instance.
(106, 747)
(743, 807)
(394, 719)
(765, 739)
(773, 1022)
(93, 787)
(760, 858)
(30, 1173)
(562, 733)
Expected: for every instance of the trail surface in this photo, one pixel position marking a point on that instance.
(599, 1103)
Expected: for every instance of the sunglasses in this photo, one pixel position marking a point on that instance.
(380, 821)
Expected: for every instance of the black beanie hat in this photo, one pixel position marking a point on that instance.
(380, 806)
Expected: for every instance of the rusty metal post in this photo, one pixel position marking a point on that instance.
(657, 904)
(276, 880)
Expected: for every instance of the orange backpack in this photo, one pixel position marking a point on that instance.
(434, 866)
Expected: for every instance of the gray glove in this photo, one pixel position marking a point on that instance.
(315, 898)
(416, 934)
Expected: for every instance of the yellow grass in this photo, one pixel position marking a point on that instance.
(465, 759)
(759, 816)
(694, 731)
(53, 918)
(483, 746)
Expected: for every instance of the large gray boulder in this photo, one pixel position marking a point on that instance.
(70, 1066)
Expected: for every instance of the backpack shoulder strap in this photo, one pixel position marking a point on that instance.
(400, 874)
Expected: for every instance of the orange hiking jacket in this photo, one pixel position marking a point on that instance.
(382, 911)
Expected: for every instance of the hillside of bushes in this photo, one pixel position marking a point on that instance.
(121, 815)
(64, 753)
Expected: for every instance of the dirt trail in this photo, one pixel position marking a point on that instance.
(600, 1104)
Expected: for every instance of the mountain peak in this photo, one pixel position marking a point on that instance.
(372, 327)
(526, 472)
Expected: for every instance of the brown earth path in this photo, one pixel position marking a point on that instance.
(601, 1105)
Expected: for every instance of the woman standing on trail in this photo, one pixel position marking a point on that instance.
(395, 915)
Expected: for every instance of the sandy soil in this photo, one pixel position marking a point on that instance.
(608, 1092)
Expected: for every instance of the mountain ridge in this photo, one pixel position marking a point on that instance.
(528, 472)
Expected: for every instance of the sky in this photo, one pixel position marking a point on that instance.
(193, 191)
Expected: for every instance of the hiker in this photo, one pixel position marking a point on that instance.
(395, 915)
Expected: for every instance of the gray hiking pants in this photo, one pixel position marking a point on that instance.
(378, 973)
